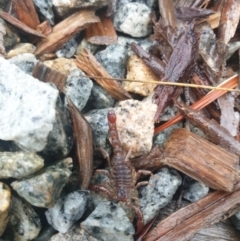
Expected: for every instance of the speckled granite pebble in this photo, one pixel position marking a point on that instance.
(108, 222)
(5, 204)
(68, 49)
(78, 88)
(21, 48)
(114, 60)
(43, 189)
(86, 45)
(236, 220)
(45, 8)
(24, 120)
(195, 191)
(133, 19)
(74, 234)
(67, 210)
(159, 192)
(24, 224)
(19, 164)
(26, 62)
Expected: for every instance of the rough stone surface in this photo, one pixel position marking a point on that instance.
(109, 222)
(133, 19)
(19, 164)
(195, 191)
(159, 192)
(67, 210)
(24, 224)
(5, 204)
(46, 234)
(43, 189)
(149, 3)
(114, 59)
(236, 220)
(62, 65)
(78, 88)
(26, 62)
(65, 7)
(74, 234)
(24, 120)
(21, 48)
(137, 133)
(86, 45)
(138, 70)
(45, 9)
(68, 49)
(99, 98)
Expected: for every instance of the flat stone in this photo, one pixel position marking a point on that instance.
(108, 222)
(78, 88)
(45, 8)
(133, 19)
(138, 70)
(19, 164)
(67, 210)
(20, 48)
(114, 60)
(159, 192)
(43, 189)
(63, 65)
(65, 7)
(5, 204)
(74, 234)
(24, 223)
(26, 62)
(68, 49)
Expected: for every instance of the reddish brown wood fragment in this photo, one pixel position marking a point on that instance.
(2, 34)
(44, 28)
(26, 13)
(101, 33)
(88, 63)
(16, 23)
(83, 143)
(186, 222)
(46, 74)
(65, 30)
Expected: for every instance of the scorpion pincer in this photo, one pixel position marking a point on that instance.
(122, 174)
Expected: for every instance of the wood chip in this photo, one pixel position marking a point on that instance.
(103, 32)
(88, 63)
(44, 28)
(65, 30)
(2, 34)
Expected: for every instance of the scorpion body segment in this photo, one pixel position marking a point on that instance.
(121, 172)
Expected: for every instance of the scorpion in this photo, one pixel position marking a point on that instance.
(122, 175)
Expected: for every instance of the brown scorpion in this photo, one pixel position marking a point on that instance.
(123, 176)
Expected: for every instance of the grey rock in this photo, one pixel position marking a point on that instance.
(68, 49)
(127, 20)
(19, 164)
(46, 234)
(45, 9)
(84, 44)
(43, 189)
(74, 234)
(26, 62)
(149, 3)
(114, 60)
(109, 222)
(195, 191)
(65, 7)
(24, 223)
(32, 114)
(159, 192)
(78, 88)
(67, 210)
(236, 220)
(99, 98)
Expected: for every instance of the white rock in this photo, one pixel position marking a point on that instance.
(20, 49)
(27, 108)
(133, 19)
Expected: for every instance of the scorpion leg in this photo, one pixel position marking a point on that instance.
(101, 188)
(142, 172)
(140, 221)
(104, 172)
(105, 155)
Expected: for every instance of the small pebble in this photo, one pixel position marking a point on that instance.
(68, 49)
(236, 220)
(21, 48)
(84, 44)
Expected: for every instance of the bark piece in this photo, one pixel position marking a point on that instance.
(26, 13)
(101, 33)
(186, 222)
(16, 23)
(46, 74)
(65, 30)
(201, 160)
(88, 63)
(2, 34)
(83, 144)
(44, 28)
